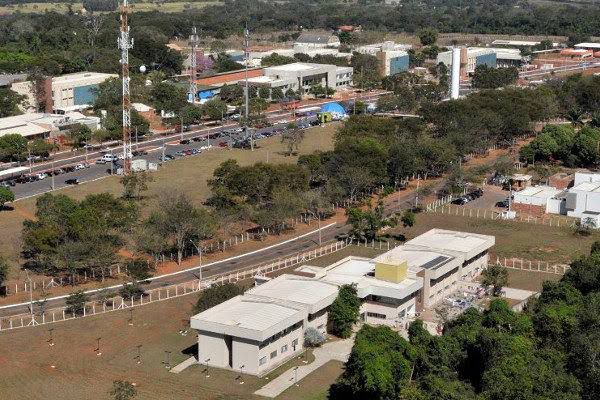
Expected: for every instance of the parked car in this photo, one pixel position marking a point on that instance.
(184, 141)
(180, 153)
(223, 144)
(137, 153)
(197, 139)
(41, 175)
(72, 181)
(168, 157)
(80, 166)
(196, 151)
(502, 204)
(101, 161)
(110, 157)
(461, 201)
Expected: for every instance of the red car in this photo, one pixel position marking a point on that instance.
(223, 144)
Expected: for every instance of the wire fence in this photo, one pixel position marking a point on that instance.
(532, 265)
(116, 302)
(556, 221)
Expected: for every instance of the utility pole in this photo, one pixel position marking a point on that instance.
(125, 43)
(30, 296)
(193, 64)
(246, 92)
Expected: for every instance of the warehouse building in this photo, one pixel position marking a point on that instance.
(536, 200)
(264, 327)
(300, 77)
(392, 58)
(44, 125)
(72, 92)
(308, 40)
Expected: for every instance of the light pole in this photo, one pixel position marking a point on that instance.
(168, 362)
(130, 322)
(30, 295)
(97, 350)
(50, 341)
(139, 354)
(199, 249)
(296, 376)
(52, 172)
(206, 362)
(242, 374)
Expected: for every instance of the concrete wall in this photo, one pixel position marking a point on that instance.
(297, 334)
(213, 346)
(389, 312)
(529, 209)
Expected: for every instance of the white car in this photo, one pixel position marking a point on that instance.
(80, 166)
(282, 121)
(205, 147)
(42, 175)
(109, 157)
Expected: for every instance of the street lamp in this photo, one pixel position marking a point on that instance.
(168, 362)
(97, 350)
(30, 295)
(296, 376)
(206, 362)
(241, 374)
(139, 354)
(130, 321)
(50, 340)
(199, 249)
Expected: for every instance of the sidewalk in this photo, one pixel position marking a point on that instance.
(332, 351)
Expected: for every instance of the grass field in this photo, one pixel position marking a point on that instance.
(528, 280)
(138, 6)
(187, 175)
(26, 359)
(513, 239)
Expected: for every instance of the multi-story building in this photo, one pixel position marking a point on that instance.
(64, 93)
(263, 328)
(300, 77)
(308, 40)
(392, 58)
(470, 58)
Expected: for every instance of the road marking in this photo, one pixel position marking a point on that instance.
(185, 270)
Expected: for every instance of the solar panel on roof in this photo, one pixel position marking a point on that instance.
(436, 262)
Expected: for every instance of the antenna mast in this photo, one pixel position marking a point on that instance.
(247, 93)
(194, 64)
(125, 43)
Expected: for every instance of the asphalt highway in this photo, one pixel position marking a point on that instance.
(153, 145)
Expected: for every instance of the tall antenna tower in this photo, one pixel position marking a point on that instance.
(194, 64)
(125, 43)
(246, 92)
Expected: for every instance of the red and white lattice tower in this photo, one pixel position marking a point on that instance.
(194, 64)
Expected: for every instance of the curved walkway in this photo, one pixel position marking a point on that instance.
(338, 351)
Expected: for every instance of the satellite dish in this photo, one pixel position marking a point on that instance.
(142, 69)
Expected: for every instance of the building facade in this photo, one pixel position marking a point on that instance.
(257, 331)
(392, 58)
(64, 93)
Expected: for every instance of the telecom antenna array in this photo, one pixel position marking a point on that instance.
(246, 91)
(125, 43)
(194, 64)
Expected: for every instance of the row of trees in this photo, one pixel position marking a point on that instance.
(547, 352)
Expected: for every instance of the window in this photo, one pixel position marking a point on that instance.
(295, 342)
(262, 361)
(375, 315)
(284, 348)
(273, 354)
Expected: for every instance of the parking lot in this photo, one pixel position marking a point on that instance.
(488, 200)
(170, 149)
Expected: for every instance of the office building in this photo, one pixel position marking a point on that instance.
(392, 58)
(308, 40)
(470, 59)
(264, 327)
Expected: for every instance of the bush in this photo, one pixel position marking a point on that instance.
(313, 337)
(215, 295)
(132, 290)
(139, 269)
(76, 302)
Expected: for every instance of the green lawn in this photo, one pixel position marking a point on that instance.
(188, 175)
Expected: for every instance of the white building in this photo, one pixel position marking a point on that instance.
(257, 56)
(308, 40)
(44, 125)
(392, 57)
(300, 77)
(537, 200)
(583, 199)
(65, 93)
(263, 328)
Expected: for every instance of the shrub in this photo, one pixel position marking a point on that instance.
(313, 337)
(131, 290)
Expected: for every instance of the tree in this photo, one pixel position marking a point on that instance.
(225, 63)
(275, 59)
(76, 302)
(80, 135)
(292, 138)
(231, 93)
(4, 268)
(428, 36)
(13, 147)
(10, 102)
(365, 223)
(496, 276)
(277, 93)
(190, 114)
(214, 109)
(168, 97)
(135, 184)
(264, 93)
(180, 223)
(139, 269)
(123, 390)
(486, 77)
(409, 219)
(215, 295)
(6, 196)
(100, 5)
(344, 312)
(41, 148)
(379, 367)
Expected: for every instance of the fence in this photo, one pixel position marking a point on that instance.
(483, 213)
(534, 266)
(115, 303)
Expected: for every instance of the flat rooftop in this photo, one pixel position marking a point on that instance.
(444, 240)
(542, 192)
(290, 288)
(588, 45)
(81, 76)
(415, 259)
(587, 187)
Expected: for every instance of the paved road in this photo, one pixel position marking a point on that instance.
(154, 145)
